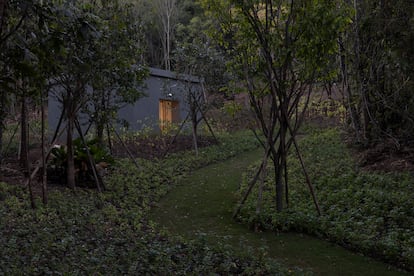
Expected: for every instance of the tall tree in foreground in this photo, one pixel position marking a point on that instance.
(278, 48)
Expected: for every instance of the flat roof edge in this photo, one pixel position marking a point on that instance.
(156, 72)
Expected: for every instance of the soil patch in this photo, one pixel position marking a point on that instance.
(153, 147)
(385, 158)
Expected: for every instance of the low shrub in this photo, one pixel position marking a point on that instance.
(368, 212)
(85, 232)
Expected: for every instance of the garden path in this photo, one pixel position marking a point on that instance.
(201, 206)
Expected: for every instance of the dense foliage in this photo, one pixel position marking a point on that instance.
(106, 233)
(377, 65)
(96, 51)
(369, 212)
(278, 50)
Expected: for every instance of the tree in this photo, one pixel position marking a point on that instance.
(377, 63)
(166, 10)
(25, 68)
(97, 67)
(77, 33)
(279, 49)
(12, 15)
(119, 76)
(198, 59)
(195, 54)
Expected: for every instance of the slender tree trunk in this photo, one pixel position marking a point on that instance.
(2, 118)
(168, 42)
(279, 161)
(100, 124)
(70, 166)
(175, 135)
(346, 87)
(166, 11)
(126, 148)
(24, 137)
(359, 74)
(100, 133)
(194, 128)
(1, 142)
(248, 190)
(32, 200)
(3, 6)
(92, 164)
(261, 187)
(44, 174)
(108, 134)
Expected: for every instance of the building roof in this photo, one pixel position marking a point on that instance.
(156, 72)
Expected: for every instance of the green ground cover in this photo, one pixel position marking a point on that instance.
(372, 213)
(201, 207)
(84, 232)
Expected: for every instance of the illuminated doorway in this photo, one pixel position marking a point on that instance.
(169, 113)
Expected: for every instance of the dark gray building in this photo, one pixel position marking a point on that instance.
(165, 102)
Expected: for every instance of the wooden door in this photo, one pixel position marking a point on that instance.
(169, 113)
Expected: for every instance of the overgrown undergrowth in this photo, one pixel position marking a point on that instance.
(372, 213)
(84, 232)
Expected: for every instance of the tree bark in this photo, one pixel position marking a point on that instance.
(3, 5)
(166, 10)
(278, 169)
(248, 191)
(70, 166)
(32, 200)
(100, 133)
(1, 143)
(2, 116)
(92, 164)
(194, 124)
(24, 138)
(44, 174)
(346, 87)
(108, 134)
(100, 123)
(261, 187)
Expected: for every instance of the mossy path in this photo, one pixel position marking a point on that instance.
(202, 205)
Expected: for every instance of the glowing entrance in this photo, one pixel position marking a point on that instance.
(169, 113)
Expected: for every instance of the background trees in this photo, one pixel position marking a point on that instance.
(276, 51)
(379, 68)
(80, 52)
(20, 57)
(116, 76)
(98, 66)
(166, 11)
